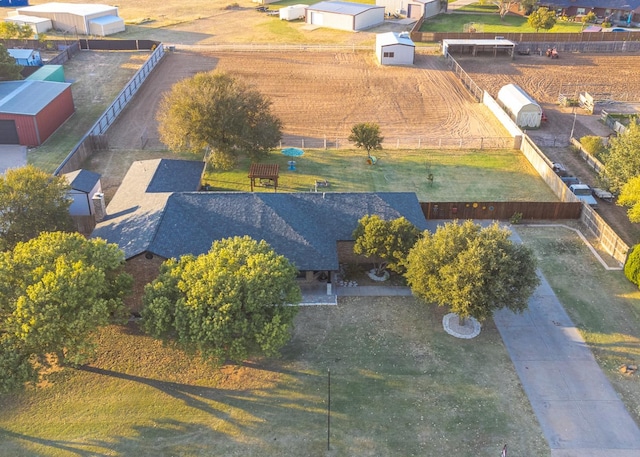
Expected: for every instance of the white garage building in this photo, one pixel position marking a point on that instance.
(523, 109)
(345, 16)
(395, 48)
(37, 24)
(83, 19)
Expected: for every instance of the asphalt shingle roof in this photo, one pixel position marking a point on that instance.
(82, 180)
(304, 227)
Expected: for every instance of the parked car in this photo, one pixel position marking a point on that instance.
(584, 193)
(560, 169)
(569, 180)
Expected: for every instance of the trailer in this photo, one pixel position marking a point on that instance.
(293, 12)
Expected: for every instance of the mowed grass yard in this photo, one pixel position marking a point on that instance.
(603, 304)
(485, 175)
(400, 386)
(491, 23)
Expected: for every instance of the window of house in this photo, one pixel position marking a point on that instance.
(387, 54)
(581, 11)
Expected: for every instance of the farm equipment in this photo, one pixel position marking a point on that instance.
(553, 53)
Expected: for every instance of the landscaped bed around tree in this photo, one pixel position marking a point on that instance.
(400, 386)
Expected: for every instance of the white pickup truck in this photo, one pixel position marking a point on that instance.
(584, 193)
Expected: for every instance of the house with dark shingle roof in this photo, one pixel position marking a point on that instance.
(619, 12)
(158, 212)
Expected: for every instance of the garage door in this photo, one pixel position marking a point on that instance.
(317, 18)
(415, 11)
(8, 132)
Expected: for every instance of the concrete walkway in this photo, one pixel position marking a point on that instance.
(578, 410)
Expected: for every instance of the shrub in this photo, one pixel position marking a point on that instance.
(632, 265)
(594, 146)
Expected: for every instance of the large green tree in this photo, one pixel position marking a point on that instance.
(387, 242)
(55, 290)
(9, 69)
(367, 136)
(471, 269)
(623, 160)
(542, 18)
(630, 197)
(213, 112)
(10, 30)
(236, 301)
(31, 202)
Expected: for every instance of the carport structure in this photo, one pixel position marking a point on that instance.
(470, 46)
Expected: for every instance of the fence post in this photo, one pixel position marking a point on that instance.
(481, 142)
(303, 143)
(419, 142)
(398, 143)
(325, 141)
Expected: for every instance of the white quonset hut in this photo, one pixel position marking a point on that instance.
(37, 24)
(523, 109)
(82, 18)
(395, 48)
(345, 15)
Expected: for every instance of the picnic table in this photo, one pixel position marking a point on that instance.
(603, 194)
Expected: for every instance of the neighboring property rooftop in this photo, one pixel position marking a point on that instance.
(342, 7)
(28, 97)
(20, 53)
(82, 9)
(304, 227)
(391, 38)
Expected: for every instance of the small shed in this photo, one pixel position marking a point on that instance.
(37, 24)
(84, 185)
(395, 48)
(293, 12)
(523, 109)
(345, 15)
(26, 57)
(106, 25)
(48, 73)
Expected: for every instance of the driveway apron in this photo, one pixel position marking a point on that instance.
(578, 410)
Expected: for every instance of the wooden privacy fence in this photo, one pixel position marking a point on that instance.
(501, 210)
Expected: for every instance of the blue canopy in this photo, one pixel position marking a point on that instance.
(292, 152)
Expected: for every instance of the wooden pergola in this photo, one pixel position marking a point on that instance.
(267, 173)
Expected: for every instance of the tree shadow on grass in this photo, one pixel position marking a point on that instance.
(165, 436)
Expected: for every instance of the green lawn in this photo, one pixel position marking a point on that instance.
(603, 304)
(400, 386)
(487, 175)
(490, 23)
(479, 8)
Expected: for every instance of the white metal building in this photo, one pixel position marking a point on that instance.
(345, 15)
(414, 9)
(395, 48)
(78, 18)
(37, 24)
(523, 109)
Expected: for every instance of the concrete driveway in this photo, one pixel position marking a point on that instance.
(579, 412)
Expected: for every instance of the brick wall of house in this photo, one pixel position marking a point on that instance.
(144, 271)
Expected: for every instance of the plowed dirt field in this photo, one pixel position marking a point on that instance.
(318, 94)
